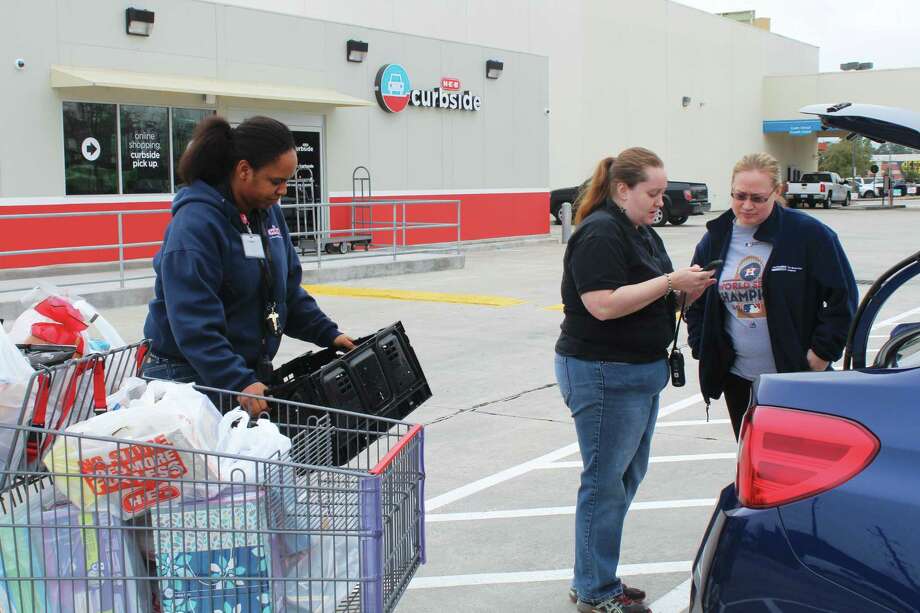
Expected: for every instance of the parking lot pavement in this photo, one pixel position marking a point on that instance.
(502, 464)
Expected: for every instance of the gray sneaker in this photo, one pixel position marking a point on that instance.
(618, 604)
(633, 593)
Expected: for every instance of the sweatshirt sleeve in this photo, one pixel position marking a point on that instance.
(305, 320)
(837, 295)
(191, 283)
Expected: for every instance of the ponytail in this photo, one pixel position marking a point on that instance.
(628, 167)
(209, 155)
(216, 147)
(596, 192)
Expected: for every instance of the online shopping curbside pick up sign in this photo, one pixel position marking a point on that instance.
(394, 93)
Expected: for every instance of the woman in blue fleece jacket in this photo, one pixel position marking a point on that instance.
(785, 295)
(228, 281)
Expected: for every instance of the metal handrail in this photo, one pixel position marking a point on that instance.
(398, 227)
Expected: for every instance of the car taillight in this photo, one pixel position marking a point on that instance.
(688, 195)
(823, 188)
(787, 455)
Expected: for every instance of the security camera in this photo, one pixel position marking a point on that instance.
(546, 112)
(20, 63)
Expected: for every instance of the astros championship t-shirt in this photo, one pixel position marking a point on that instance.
(741, 290)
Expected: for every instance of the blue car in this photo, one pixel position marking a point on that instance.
(824, 514)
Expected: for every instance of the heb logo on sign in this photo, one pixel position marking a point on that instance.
(392, 86)
(394, 92)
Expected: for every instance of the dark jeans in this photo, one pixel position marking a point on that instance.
(738, 397)
(157, 367)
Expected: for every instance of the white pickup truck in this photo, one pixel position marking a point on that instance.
(815, 188)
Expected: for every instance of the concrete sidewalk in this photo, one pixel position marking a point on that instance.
(106, 287)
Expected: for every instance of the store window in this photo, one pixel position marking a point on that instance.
(184, 122)
(151, 138)
(90, 148)
(145, 160)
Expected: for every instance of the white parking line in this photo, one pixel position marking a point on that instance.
(520, 469)
(675, 601)
(554, 511)
(486, 482)
(695, 457)
(679, 405)
(562, 574)
(691, 422)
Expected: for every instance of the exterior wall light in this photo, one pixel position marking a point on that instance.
(857, 66)
(356, 50)
(494, 69)
(138, 22)
(685, 101)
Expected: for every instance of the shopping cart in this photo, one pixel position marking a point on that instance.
(109, 524)
(58, 396)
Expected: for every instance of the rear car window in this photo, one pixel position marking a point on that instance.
(816, 177)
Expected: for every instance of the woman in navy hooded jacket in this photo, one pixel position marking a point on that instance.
(785, 295)
(228, 281)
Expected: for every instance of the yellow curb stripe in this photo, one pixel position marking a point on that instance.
(398, 294)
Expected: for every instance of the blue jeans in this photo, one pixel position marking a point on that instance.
(156, 367)
(614, 406)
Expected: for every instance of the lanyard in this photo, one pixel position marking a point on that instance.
(268, 280)
(270, 317)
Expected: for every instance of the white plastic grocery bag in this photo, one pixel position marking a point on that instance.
(52, 315)
(15, 372)
(257, 439)
(168, 415)
(131, 389)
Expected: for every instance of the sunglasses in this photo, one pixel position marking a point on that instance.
(755, 198)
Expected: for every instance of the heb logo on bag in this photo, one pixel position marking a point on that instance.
(123, 470)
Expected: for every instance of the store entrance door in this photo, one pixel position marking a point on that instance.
(306, 188)
(307, 185)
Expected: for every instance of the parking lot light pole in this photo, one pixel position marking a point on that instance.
(889, 183)
(853, 161)
(847, 66)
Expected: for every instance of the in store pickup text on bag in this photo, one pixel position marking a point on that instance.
(124, 468)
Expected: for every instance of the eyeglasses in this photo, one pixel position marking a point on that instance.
(755, 198)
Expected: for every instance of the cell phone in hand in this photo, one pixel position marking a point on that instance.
(713, 265)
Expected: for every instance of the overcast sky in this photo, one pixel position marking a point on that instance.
(886, 32)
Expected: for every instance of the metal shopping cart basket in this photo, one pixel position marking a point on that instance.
(110, 524)
(58, 396)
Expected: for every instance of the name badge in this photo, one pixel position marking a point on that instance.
(252, 246)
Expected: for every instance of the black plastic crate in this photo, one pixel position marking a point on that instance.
(381, 377)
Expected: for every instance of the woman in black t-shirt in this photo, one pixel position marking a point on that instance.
(618, 288)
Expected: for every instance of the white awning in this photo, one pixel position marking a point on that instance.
(73, 76)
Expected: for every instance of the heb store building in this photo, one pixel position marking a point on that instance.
(101, 98)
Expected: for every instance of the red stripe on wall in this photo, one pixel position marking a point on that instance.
(51, 232)
(481, 216)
